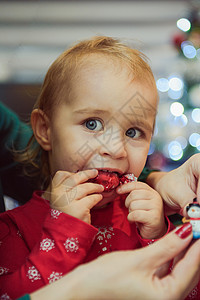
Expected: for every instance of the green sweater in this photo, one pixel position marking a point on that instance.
(14, 134)
(25, 297)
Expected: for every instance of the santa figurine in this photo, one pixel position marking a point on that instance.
(193, 211)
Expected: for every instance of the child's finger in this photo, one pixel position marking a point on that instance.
(66, 194)
(141, 205)
(131, 186)
(85, 189)
(140, 195)
(92, 200)
(60, 177)
(139, 216)
(70, 180)
(81, 177)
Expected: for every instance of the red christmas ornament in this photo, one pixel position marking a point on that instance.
(107, 179)
(111, 180)
(127, 178)
(178, 39)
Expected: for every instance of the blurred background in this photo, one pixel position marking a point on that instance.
(34, 33)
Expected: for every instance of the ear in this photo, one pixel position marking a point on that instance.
(41, 128)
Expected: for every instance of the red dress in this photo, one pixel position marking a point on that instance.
(38, 245)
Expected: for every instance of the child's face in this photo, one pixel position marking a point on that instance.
(108, 125)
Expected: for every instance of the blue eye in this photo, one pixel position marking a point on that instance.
(133, 133)
(93, 124)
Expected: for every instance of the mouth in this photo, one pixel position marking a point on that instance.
(111, 170)
(111, 179)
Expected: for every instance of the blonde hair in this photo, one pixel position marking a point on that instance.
(60, 76)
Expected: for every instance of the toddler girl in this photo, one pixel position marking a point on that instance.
(95, 115)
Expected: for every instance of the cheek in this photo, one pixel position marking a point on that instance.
(65, 159)
(137, 160)
(71, 154)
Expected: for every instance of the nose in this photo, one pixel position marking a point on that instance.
(113, 145)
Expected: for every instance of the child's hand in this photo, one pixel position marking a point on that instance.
(73, 195)
(145, 208)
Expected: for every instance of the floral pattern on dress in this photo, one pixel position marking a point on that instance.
(71, 244)
(193, 294)
(19, 234)
(54, 276)
(47, 245)
(33, 274)
(104, 236)
(151, 242)
(3, 270)
(55, 213)
(5, 297)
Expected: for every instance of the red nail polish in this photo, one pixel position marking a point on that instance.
(184, 231)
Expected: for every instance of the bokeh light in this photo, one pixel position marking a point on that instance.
(176, 109)
(181, 121)
(162, 84)
(151, 148)
(183, 24)
(183, 141)
(194, 139)
(175, 95)
(189, 51)
(175, 83)
(196, 115)
(175, 150)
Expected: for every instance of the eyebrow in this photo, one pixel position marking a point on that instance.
(91, 111)
(144, 124)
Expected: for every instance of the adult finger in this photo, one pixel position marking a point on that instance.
(185, 274)
(192, 175)
(198, 190)
(168, 247)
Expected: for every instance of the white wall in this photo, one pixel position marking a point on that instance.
(34, 33)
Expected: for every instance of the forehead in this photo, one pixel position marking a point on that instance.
(98, 67)
(97, 64)
(107, 83)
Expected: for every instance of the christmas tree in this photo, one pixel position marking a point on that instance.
(177, 132)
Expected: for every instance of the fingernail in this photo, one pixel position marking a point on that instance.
(184, 231)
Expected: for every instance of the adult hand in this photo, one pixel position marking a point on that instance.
(124, 274)
(180, 186)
